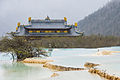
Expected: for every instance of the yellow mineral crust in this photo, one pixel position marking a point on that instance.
(105, 52)
(54, 75)
(38, 61)
(61, 68)
(103, 74)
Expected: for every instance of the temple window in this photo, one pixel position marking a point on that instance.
(30, 31)
(38, 31)
(65, 31)
(46, 31)
(50, 31)
(58, 31)
(53, 31)
(42, 31)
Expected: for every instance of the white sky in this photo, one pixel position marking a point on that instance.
(13, 11)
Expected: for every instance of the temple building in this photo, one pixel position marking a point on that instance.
(47, 27)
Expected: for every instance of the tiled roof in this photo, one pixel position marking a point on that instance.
(50, 24)
(47, 21)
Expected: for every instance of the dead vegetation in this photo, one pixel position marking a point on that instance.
(93, 41)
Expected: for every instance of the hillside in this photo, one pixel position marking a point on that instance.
(92, 41)
(105, 21)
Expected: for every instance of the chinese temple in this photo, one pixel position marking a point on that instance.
(47, 27)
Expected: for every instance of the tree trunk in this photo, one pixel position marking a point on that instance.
(13, 57)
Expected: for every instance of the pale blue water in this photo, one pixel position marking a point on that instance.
(75, 57)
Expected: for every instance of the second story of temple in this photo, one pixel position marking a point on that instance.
(47, 27)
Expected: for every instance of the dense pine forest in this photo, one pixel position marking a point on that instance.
(105, 21)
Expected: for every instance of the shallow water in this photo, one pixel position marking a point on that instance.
(19, 71)
(66, 57)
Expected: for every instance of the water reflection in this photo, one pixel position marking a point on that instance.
(20, 71)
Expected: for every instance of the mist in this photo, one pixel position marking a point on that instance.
(13, 11)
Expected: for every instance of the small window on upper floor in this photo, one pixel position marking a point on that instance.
(65, 31)
(58, 31)
(50, 31)
(38, 31)
(53, 31)
(30, 31)
(46, 31)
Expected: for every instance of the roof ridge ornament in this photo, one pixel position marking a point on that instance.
(29, 19)
(47, 18)
(65, 19)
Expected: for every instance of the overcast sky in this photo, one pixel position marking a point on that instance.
(13, 11)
